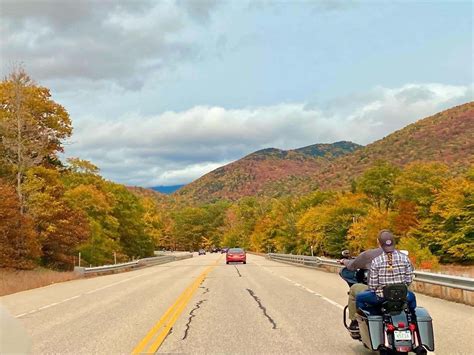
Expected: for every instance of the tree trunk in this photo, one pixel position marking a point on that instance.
(19, 174)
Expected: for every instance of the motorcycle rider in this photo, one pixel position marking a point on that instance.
(390, 267)
(348, 273)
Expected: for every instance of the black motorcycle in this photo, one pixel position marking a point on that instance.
(391, 329)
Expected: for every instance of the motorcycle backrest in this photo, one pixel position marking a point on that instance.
(395, 297)
(395, 292)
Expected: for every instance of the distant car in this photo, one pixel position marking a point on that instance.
(215, 250)
(224, 250)
(236, 255)
(202, 252)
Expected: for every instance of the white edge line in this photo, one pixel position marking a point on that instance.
(309, 290)
(77, 296)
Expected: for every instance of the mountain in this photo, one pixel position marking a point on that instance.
(329, 150)
(261, 173)
(167, 189)
(445, 137)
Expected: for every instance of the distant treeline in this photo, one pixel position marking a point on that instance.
(50, 210)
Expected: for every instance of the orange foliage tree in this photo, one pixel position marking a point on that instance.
(19, 245)
(404, 218)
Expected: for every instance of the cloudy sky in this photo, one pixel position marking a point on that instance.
(161, 92)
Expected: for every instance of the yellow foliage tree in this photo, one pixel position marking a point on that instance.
(363, 232)
(325, 226)
(32, 127)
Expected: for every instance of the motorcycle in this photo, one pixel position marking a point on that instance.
(392, 329)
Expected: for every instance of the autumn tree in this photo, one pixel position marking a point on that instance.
(60, 227)
(326, 226)
(262, 237)
(378, 183)
(19, 247)
(81, 166)
(419, 183)
(420, 255)
(155, 222)
(32, 126)
(449, 230)
(240, 221)
(404, 218)
(214, 221)
(129, 213)
(103, 241)
(315, 198)
(362, 234)
(189, 227)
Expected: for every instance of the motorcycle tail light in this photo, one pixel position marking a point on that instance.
(412, 327)
(404, 348)
(390, 327)
(401, 325)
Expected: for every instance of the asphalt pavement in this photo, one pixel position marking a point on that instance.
(263, 307)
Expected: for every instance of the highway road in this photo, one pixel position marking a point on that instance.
(263, 307)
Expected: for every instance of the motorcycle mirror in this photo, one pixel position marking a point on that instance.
(346, 253)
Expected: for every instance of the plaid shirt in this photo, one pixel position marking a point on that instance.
(381, 274)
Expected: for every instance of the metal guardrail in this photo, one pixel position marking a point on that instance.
(104, 268)
(463, 283)
(296, 259)
(156, 260)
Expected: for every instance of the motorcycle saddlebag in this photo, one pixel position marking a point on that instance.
(371, 329)
(425, 328)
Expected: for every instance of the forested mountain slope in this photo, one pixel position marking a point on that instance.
(445, 137)
(262, 173)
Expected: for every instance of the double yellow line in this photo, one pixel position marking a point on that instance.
(160, 330)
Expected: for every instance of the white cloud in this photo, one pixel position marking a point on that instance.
(177, 147)
(185, 174)
(118, 41)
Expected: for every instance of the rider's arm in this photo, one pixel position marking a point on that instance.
(359, 262)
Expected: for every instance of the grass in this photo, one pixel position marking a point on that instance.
(12, 281)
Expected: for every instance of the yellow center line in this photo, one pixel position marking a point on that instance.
(161, 329)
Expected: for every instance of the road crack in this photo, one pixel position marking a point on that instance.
(264, 310)
(206, 290)
(238, 271)
(191, 316)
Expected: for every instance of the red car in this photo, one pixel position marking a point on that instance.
(236, 255)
